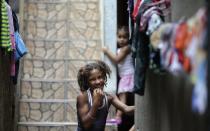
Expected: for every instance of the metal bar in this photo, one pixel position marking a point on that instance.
(47, 123)
(60, 59)
(47, 1)
(44, 20)
(61, 20)
(56, 124)
(60, 40)
(66, 66)
(47, 100)
(48, 80)
(55, 1)
(48, 40)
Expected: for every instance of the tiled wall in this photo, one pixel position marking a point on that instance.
(61, 35)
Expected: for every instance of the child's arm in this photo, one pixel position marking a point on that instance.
(117, 58)
(121, 106)
(132, 128)
(86, 115)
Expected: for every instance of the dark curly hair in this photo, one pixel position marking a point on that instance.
(124, 29)
(84, 73)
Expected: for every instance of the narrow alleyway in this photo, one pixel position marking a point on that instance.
(63, 35)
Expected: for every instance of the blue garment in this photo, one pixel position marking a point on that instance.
(21, 49)
(100, 121)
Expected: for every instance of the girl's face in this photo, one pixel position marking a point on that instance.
(96, 79)
(122, 38)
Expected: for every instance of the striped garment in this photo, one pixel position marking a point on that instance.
(5, 33)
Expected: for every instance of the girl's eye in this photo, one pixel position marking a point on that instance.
(99, 77)
(91, 79)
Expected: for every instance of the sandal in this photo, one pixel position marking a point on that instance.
(114, 121)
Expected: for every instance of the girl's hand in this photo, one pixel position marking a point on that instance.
(98, 95)
(104, 49)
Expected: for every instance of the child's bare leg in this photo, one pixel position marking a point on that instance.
(132, 128)
(122, 97)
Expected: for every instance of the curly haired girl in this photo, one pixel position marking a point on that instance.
(93, 103)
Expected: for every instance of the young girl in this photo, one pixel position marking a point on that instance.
(123, 59)
(93, 103)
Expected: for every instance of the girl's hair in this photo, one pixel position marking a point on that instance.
(84, 73)
(124, 29)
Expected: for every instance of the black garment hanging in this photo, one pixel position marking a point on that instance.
(131, 21)
(15, 21)
(140, 50)
(17, 63)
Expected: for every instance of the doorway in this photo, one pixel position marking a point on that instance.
(123, 20)
(122, 13)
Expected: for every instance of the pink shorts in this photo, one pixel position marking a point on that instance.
(126, 83)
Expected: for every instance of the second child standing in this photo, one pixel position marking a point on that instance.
(124, 61)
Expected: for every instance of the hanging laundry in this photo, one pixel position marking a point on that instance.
(196, 51)
(140, 5)
(200, 96)
(136, 9)
(151, 19)
(141, 48)
(12, 38)
(11, 26)
(130, 21)
(20, 48)
(153, 23)
(5, 33)
(182, 48)
(141, 61)
(140, 51)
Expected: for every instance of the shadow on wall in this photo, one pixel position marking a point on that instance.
(166, 105)
(7, 95)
